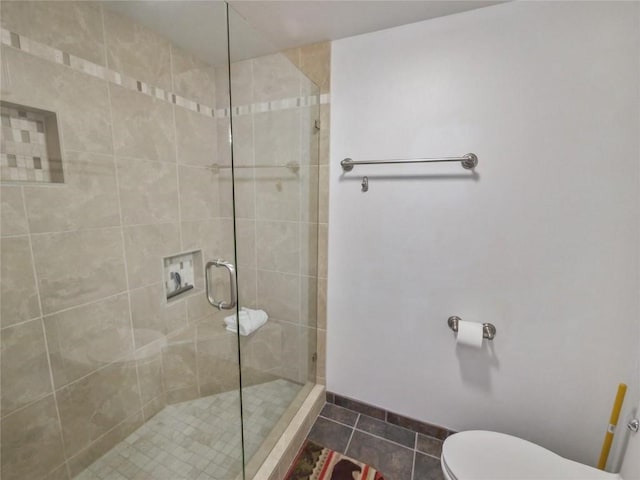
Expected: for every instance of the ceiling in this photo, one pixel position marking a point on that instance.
(294, 23)
(262, 27)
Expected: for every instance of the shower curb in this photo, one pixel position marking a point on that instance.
(283, 453)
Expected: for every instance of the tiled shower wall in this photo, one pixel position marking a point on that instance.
(281, 211)
(90, 348)
(315, 62)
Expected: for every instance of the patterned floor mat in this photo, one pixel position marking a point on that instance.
(315, 462)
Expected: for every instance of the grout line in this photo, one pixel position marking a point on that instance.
(415, 450)
(121, 226)
(180, 234)
(93, 229)
(338, 422)
(34, 272)
(383, 438)
(352, 433)
(427, 454)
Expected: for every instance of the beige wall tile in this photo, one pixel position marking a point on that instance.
(278, 246)
(279, 295)
(315, 62)
(246, 242)
(148, 191)
(24, 365)
(309, 301)
(277, 194)
(142, 126)
(103, 444)
(323, 253)
(247, 287)
(193, 78)
(243, 148)
(50, 22)
(15, 16)
(263, 349)
(196, 138)
(204, 235)
(152, 316)
(18, 294)
(295, 363)
(243, 192)
(223, 141)
(149, 361)
(277, 137)
(221, 73)
(227, 239)
(80, 101)
(309, 134)
(78, 267)
(322, 353)
(323, 195)
(153, 407)
(274, 78)
(325, 128)
(308, 248)
(179, 365)
(137, 51)
(199, 308)
(86, 338)
(322, 303)
(95, 404)
(13, 220)
(182, 394)
(31, 445)
(241, 83)
(199, 197)
(309, 193)
(87, 199)
(145, 248)
(59, 473)
(217, 360)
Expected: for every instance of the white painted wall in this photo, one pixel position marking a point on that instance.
(544, 242)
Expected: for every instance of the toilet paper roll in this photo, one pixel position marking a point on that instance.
(470, 334)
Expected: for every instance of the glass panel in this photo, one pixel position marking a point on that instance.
(115, 152)
(275, 179)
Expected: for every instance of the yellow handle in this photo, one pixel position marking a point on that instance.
(613, 422)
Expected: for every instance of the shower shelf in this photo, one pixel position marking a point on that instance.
(30, 149)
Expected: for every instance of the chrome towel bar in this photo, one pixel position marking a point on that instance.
(468, 161)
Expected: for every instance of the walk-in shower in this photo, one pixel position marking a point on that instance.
(141, 141)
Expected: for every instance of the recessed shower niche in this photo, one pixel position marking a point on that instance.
(182, 274)
(30, 145)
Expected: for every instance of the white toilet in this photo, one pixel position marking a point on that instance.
(483, 455)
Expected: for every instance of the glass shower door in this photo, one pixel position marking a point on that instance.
(274, 175)
(114, 154)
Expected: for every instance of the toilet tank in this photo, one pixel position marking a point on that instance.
(631, 462)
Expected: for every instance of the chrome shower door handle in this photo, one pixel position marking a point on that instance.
(221, 305)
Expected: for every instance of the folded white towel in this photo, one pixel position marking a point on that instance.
(250, 321)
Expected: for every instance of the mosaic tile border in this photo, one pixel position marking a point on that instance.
(45, 52)
(424, 428)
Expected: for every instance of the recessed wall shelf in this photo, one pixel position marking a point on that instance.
(30, 146)
(182, 273)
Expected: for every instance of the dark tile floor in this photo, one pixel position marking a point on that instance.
(398, 453)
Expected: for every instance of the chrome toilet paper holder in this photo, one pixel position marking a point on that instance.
(488, 329)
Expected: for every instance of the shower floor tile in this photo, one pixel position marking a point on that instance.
(199, 439)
